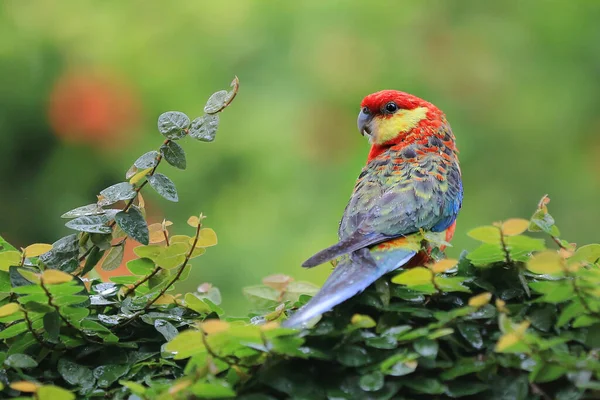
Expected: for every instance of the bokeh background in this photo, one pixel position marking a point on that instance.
(82, 83)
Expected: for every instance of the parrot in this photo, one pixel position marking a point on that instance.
(411, 186)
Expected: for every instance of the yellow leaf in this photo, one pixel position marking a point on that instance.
(443, 265)
(278, 281)
(506, 341)
(157, 236)
(207, 238)
(501, 306)
(30, 276)
(166, 223)
(179, 386)
(193, 221)
(165, 299)
(214, 326)
(139, 176)
(9, 309)
(480, 300)
(269, 326)
(180, 239)
(522, 327)
(25, 386)
(155, 227)
(141, 202)
(53, 276)
(8, 259)
(35, 250)
(414, 277)
(362, 321)
(547, 262)
(514, 226)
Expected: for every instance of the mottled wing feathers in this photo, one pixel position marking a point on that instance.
(404, 189)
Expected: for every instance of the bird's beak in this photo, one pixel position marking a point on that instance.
(364, 124)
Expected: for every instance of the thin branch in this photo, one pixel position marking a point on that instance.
(168, 285)
(36, 335)
(62, 317)
(142, 281)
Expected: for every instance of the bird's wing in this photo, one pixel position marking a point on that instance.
(395, 201)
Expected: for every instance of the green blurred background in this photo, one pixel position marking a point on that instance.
(82, 83)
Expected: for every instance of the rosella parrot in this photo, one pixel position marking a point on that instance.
(410, 186)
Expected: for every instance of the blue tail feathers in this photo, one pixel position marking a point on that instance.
(351, 276)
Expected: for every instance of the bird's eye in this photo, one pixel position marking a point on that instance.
(391, 107)
(366, 110)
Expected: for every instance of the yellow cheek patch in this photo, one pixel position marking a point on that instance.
(386, 129)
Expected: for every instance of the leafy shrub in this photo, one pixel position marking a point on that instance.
(508, 320)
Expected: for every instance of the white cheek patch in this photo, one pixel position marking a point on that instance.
(386, 129)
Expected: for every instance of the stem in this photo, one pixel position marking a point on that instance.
(36, 335)
(504, 248)
(142, 281)
(62, 317)
(580, 295)
(167, 286)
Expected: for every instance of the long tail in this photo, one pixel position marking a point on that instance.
(351, 276)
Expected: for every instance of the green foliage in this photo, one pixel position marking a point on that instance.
(511, 319)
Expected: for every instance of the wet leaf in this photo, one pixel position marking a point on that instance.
(172, 124)
(371, 382)
(174, 154)
(90, 209)
(205, 128)
(164, 186)
(91, 224)
(106, 375)
(166, 329)
(20, 361)
(114, 193)
(133, 224)
(148, 160)
(113, 258)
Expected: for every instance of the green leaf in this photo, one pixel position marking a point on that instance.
(92, 260)
(140, 266)
(186, 344)
(174, 154)
(166, 329)
(172, 256)
(52, 326)
(451, 284)
(134, 224)
(371, 382)
(486, 254)
(463, 366)
(205, 128)
(212, 390)
(547, 372)
(164, 186)
(9, 259)
(106, 375)
(91, 224)
(20, 361)
(572, 310)
(510, 388)
(471, 334)
(113, 258)
(51, 392)
(148, 160)
(589, 253)
(172, 124)
(353, 356)
(553, 291)
(486, 234)
(117, 192)
(426, 347)
(426, 385)
(414, 276)
(194, 303)
(13, 330)
(84, 211)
